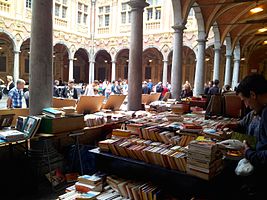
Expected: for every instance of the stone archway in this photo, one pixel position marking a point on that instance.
(188, 68)
(122, 60)
(152, 65)
(102, 65)
(81, 66)
(61, 62)
(6, 55)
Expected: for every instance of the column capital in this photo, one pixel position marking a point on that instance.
(165, 61)
(237, 60)
(113, 61)
(178, 28)
(217, 49)
(228, 55)
(137, 4)
(16, 51)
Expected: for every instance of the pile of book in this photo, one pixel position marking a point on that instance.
(70, 110)
(11, 135)
(92, 120)
(115, 188)
(87, 187)
(204, 159)
(51, 112)
(165, 155)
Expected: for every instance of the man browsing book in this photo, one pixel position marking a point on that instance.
(15, 95)
(253, 91)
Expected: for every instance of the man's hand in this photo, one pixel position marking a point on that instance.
(247, 146)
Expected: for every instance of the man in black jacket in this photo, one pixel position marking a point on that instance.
(70, 92)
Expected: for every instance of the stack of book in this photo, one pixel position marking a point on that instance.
(88, 183)
(69, 110)
(11, 135)
(51, 112)
(204, 159)
(165, 155)
(94, 120)
(117, 189)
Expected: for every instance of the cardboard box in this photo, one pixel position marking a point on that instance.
(63, 124)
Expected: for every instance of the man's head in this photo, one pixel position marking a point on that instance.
(9, 78)
(71, 84)
(20, 84)
(216, 82)
(95, 83)
(251, 90)
(56, 82)
(210, 83)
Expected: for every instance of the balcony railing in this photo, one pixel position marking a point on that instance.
(61, 22)
(152, 25)
(4, 6)
(103, 30)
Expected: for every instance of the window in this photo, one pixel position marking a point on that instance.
(106, 20)
(57, 8)
(158, 13)
(28, 3)
(79, 17)
(82, 13)
(64, 12)
(80, 5)
(154, 10)
(61, 8)
(123, 18)
(104, 16)
(101, 9)
(85, 8)
(100, 19)
(84, 18)
(149, 14)
(2, 63)
(125, 13)
(107, 9)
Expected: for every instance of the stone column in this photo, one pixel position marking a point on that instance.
(176, 73)
(235, 73)
(113, 71)
(135, 55)
(92, 71)
(16, 65)
(216, 69)
(165, 72)
(227, 78)
(41, 72)
(199, 74)
(71, 68)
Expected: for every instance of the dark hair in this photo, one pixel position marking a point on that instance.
(216, 82)
(255, 83)
(227, 87)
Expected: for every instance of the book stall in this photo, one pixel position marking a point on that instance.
(168, 138)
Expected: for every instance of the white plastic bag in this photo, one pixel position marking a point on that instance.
(244, 168)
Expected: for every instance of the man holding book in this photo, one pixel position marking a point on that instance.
(15, 95)
(253, 91)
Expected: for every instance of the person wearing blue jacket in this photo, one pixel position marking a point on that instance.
(253, 92)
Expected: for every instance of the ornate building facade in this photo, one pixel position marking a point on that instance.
(92, 37)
